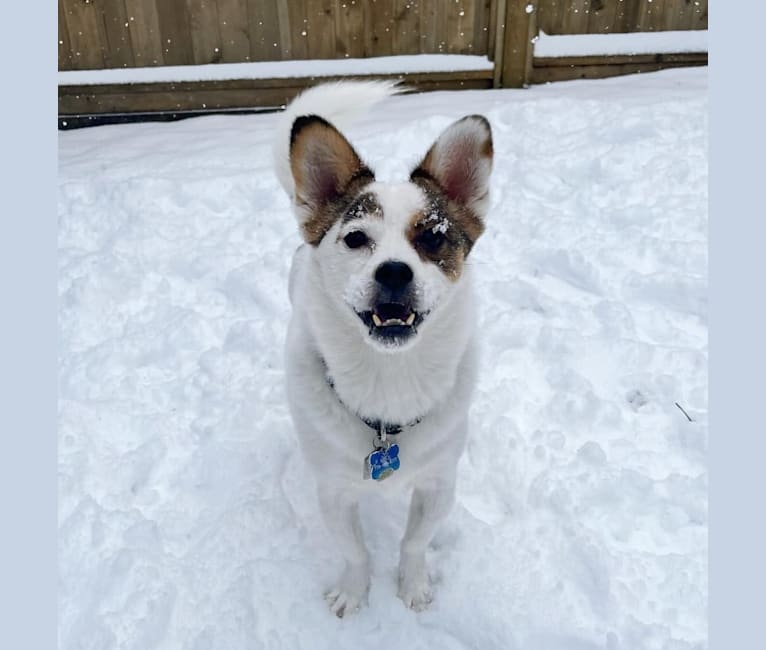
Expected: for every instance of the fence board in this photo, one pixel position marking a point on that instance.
(298, 31)
(349, 29)
(462, 28)
(491, 22)
(65, 47)
(205, 35)
(118, 50)
(575, 17)
(271, 93)
(83, 20)
(603, 16)
(550, 16)
(481, 27)
(175, 33)
(235, 27)
(379, 23)
(145, 32)
(428, 35)
(321, 29)
(265, 29)
(406, 27)
(699, 16)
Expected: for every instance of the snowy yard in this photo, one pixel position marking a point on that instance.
(187, 517)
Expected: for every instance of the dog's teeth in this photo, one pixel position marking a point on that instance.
(376, 320)
(410, 319)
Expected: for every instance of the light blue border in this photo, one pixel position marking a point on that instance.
(28, 328)
(737, 326)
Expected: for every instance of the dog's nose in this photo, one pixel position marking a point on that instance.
(393, 275)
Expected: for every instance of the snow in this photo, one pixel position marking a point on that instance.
(187, 517)
(278, 69)
(670, 42)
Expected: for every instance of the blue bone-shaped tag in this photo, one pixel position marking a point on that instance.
(383, 462)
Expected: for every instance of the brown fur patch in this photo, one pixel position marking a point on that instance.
(461, 228)
(327, 172)
(322, 218)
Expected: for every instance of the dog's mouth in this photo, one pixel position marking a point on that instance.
(391, 322)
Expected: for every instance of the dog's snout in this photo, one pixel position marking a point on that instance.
(393, 275)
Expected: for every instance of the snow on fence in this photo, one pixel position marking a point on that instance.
(129, 34)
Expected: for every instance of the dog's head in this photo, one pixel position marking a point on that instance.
(391, 255)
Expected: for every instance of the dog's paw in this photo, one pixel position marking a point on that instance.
(416, 592)
(350, 592)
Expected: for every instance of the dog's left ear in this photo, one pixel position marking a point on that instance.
(460, 161)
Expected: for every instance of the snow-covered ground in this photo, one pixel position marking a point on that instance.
(187, 516)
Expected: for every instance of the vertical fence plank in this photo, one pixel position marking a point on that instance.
(264, 30)
(677, 14)
(234, 26)
(520, 27)
(285, 35)
(379, 23)
(145, 35)
(699, 17)
(175, 33)
(491, 22)
(205, 35)
(551, 16)
(118, 49)
(602, 16)
(65, 47)
(460, 35)
(349, 28)
(83, 21)
(428, 35)
(406, 27)
(575, 17)
(499, 29)
(481, 27)
(298, 30)
(321, 29)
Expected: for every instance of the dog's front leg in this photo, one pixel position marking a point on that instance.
(431, 502)
(341, 514)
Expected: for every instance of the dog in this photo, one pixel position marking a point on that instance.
(381, 357)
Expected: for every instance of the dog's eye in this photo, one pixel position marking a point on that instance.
(431, 241)
(355, 239)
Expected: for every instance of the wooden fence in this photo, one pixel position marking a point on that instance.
(107, 34)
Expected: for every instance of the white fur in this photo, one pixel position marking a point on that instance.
(431, 377)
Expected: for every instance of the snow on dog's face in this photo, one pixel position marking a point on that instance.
(391, 255)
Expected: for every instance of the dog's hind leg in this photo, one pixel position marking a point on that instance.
(341, 514)
(431, 502)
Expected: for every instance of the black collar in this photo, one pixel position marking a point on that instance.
(391, 429)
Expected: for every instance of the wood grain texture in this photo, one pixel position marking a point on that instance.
(321, 29)
(84, 25)
(64, 46)
(235, 30)
(205, 35)
(349, 29)
(145, 34)
(175, 32)
(118, 49)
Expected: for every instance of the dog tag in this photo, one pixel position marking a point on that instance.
(382, 462)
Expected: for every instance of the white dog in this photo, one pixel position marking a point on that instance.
(381, 358)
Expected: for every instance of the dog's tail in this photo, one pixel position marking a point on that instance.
(340, 103)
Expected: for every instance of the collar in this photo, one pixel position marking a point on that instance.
(379, 426)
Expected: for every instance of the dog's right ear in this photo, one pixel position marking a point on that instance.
(324, 165)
